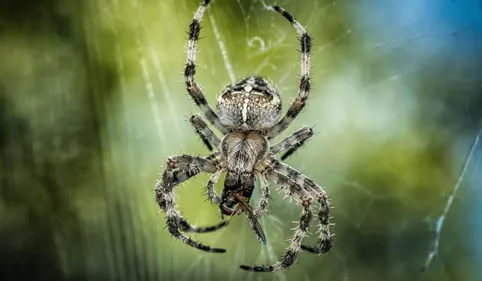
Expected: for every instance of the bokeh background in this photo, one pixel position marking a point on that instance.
(92, 103)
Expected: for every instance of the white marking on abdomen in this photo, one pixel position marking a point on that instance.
(244, 111)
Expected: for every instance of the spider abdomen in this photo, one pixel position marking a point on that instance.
(250, 104)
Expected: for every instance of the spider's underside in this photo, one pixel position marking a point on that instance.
(247, 115)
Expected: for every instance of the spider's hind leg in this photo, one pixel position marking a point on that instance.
(324, 243)
(295, 243)
(187, 227)
(304, 199)
(178, 169)
(308, 186)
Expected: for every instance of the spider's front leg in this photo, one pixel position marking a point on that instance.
(178, 169)
(292, 142)
(304, 87)
(190, 70)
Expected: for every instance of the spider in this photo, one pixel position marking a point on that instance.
(248, 114)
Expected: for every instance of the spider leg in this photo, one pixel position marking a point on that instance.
(206, 134)
(211, 193)
(178, 169)
(324, 239)
(295, 243)
(292, 142)
(303, 198)
(185, 226)
(263, 201)
(304, 87)
(190, 70)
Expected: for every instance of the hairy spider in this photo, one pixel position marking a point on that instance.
(248, 115)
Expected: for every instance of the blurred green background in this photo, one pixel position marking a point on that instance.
(92, 103)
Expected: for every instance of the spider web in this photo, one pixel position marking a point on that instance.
(397, 109)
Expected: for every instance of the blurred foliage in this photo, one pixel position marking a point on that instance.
(91, 105)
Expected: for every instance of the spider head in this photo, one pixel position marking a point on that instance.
(250, 104)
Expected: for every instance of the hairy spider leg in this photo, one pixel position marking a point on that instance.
(264, 198)
(297, 186)
(190, 70)
(299, 103)
(293, 142)
(213, 197)
(207, 135)
(176, 223)
(295, 243)
(324, 242)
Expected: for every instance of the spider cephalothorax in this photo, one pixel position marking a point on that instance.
(248, 115)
